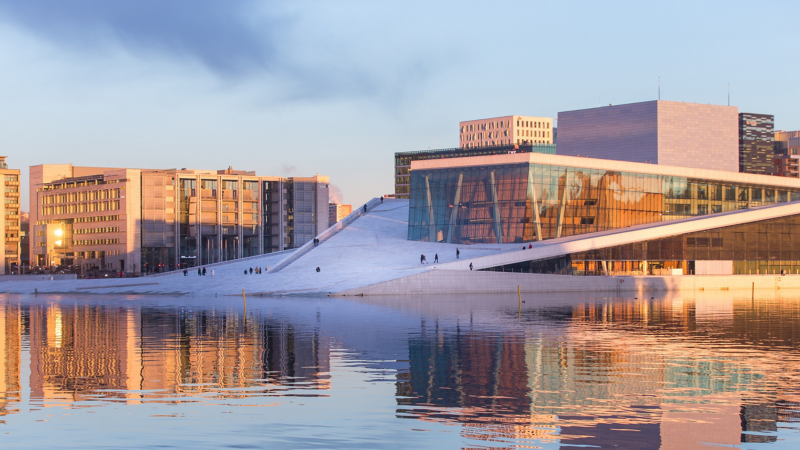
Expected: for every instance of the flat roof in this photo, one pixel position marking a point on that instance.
(605, 164)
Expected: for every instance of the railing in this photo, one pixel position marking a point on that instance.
(325, 235)
(12, 183)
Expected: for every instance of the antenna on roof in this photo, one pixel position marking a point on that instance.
(729, 94)
(659, 87)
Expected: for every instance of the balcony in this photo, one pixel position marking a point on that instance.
(12, 183)
(12, 205)
(12, 194)
(12, 239)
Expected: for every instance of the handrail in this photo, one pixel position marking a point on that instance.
(324, 236)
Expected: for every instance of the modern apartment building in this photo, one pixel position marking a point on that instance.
(337, 212)
(756, 143)
(656, 132)
(402, 160)
(506, 130)
(10, 218)
(140, 220)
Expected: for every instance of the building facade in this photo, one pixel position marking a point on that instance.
(531, 197)
(757, 143)
(787, 154)
(337, 212)
(506, 130)
(136, 220)
(10, 218)
(656, 132)
(402, 160)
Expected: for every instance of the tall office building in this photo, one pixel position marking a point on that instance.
(506, 130)
(655, 132)
(9, 218)
(337, 212)
(136, 220)
(756, 143)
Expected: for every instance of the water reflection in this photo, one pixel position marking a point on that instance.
(558, 372)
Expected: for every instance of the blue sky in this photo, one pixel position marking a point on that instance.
(336, 87)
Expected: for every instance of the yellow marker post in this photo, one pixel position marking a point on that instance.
(244, 299)
(519, 294)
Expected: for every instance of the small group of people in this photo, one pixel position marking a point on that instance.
(200, 272)
(257, 271)
(529, 246)
(316, 242)
(423, 260)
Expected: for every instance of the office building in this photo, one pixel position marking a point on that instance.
(531, 197)
(337, 212)
(402, 160)
(139, 220)
(656, 132)
(787, 154)
(521, 130)
(756, 143)
(10, 218)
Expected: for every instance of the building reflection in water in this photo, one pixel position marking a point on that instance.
(636, 373)
(667, 373)
(80, 352)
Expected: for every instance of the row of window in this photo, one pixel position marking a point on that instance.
(504, 133)
(504, 124)
(96, 241)
(502, 142)
(95, 230)
(95, 219)
(80, 208)
(81, 196)
(74, 184)
(95, 254)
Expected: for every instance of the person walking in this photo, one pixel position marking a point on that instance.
(185, 272)
(204, 271)
(251, 271)
(365, 209)
(381, 199)
(245, 271)
(457, 253)
(422, 259)
(317, 269)
(470, 266)
(436, 258)
(199, 271)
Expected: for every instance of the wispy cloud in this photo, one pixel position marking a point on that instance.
(218, 34)
(234, 39)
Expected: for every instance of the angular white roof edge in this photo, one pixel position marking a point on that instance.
(606, 164)
(584, 242)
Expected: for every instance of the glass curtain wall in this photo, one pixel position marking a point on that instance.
(250, 245)
(764, 247)
(528, 202)
(187, 227)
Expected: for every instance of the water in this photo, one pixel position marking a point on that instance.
(470, 372)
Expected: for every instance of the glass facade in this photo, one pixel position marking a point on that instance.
(528, 202)
(402, 160)
(764, 247)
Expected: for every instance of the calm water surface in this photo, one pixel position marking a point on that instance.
(477, 372)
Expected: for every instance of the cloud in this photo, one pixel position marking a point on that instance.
(234, 39)
(215, 33)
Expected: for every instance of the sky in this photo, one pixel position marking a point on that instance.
(337, 87)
